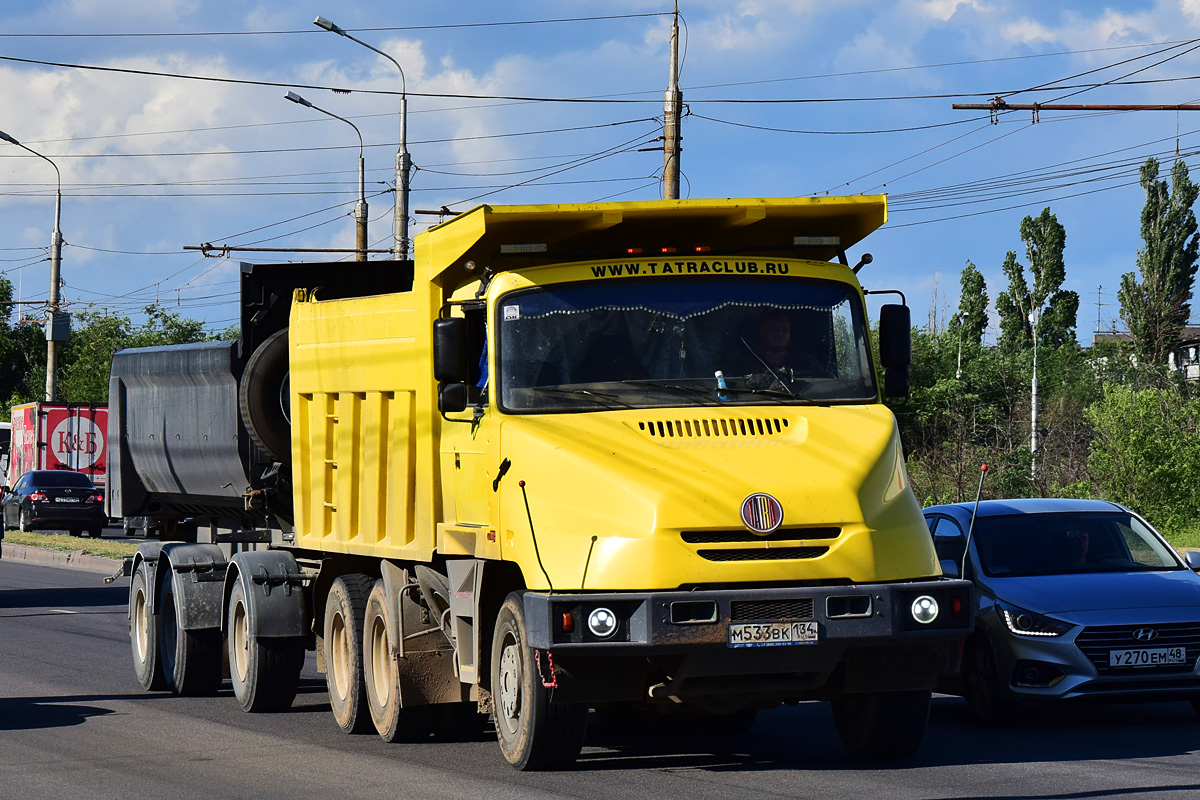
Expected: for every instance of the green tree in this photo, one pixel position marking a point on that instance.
(1146, 452)
(1158, 307)
(971, 320)
(1044, 306)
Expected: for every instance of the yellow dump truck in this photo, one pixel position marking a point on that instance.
(621, 458)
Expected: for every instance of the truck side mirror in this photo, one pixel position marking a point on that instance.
(452, 398)
(895, 348)
(895, 336)
(450, 350)
(895, 382)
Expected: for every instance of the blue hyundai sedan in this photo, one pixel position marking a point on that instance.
(1077, 599)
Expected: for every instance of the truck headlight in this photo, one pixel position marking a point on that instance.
(924, 609)
(602, 622)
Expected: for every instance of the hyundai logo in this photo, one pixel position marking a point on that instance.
(1145, 634)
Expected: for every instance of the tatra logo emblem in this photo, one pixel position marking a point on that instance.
(761, 513)
(1145, 634)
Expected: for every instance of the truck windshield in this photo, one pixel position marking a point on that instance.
(663, 342)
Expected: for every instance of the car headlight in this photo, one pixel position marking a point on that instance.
(1025, 623)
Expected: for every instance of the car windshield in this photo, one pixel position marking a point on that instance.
(57, 480)
(659, 342)
(1068, 542)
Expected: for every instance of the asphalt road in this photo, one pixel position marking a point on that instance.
(74, 723)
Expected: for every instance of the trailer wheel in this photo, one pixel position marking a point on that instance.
(263, 397)
(881, 725)
(265, 672)
(143, 632)
(381, 674)
(534, 733)
(345, 608)
(191, 660)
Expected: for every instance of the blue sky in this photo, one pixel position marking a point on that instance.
(786, 98)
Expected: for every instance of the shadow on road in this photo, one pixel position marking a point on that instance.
(65, 597)
(804, 737)
(28, 713)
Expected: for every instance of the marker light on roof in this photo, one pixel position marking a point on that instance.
(517, 249)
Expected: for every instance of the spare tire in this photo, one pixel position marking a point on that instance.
(263, 398)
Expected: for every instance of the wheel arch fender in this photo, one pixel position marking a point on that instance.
(197, 575)
(147, 553)
(274, 595)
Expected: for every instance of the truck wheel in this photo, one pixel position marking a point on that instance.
(381, 675)
(879, 725)
(263, 397)
(989, 700)
(343, 637)
(143, 632)
(265, 672)
(191, 660)
(534, 733)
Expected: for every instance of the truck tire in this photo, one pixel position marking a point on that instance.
(381, 676)
(534, 733)
(345, 608)
(191, 660)
(143, 633)
(265, 672)
(881, 725)
(263, 397)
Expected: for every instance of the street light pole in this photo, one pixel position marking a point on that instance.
(360, 208)
(55, 275)
(403, 160)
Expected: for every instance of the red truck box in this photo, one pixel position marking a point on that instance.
(59, 436)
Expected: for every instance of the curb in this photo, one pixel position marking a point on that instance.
(56, 558)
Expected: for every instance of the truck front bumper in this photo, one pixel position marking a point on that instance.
(774, 644)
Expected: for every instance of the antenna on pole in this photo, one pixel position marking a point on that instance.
(671, 106)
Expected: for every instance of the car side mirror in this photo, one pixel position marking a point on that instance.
(950, 568)
(1192, 559)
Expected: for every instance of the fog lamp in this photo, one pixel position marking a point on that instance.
(924, 609)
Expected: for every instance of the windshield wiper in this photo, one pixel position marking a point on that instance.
(607, 400)
(694, 391)
(773, 393)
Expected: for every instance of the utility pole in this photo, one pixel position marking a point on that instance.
(671, 107)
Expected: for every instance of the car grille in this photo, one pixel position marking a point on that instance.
(772, 554)
(1095, 642)
(774, 610)
(743, 535)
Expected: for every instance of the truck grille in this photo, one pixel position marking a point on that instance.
(763, 554)
(750, 610)
(715, 428)
(743, 535)
(1095, 642)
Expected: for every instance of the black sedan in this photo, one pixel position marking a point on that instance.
(55, 500)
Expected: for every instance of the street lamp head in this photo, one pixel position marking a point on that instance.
(321, 22)
(295, 98)
(4, 136)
